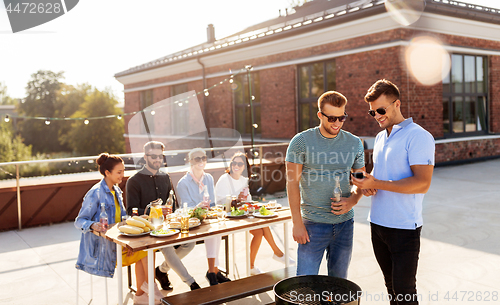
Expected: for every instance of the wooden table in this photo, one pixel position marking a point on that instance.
(208, 228)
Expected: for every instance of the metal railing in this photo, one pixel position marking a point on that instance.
(255, 154)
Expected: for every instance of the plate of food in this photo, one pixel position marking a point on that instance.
(237, 213)
(164, 232)
(134, 231)
(272, 205)
(263, 212)
(193, 223)
(212, 214)
(134, 234)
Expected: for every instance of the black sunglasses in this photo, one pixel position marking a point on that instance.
(239, 164)
(333, 119)
(380, 110)
(154, 157)
(200, 159)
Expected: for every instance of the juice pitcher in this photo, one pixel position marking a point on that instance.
(155, 212)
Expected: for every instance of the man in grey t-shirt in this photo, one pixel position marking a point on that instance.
(315, 159)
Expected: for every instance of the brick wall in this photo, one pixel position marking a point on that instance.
(278, 108)
(355, 74)
(454, 151)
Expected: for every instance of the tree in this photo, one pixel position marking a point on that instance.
(103, 135)
(69, 100)
(12, 147)
(41, 101)
(5, 99)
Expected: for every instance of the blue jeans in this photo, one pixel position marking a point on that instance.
(336, 239)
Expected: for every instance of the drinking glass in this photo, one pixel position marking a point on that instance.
(250, 210)
(185, 224)
(166, 211)
(221, 215)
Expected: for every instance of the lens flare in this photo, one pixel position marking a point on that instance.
(427, 60)
(405, 12)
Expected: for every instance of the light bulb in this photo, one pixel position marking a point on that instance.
(255, 126)
(153, 112)
(119, 116)
(7, 118)
(86, 122)
(47, 122)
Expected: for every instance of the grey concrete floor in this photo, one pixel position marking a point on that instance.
(459, 259)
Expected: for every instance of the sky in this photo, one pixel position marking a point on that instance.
(99, 38)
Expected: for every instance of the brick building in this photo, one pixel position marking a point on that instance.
(329, 45)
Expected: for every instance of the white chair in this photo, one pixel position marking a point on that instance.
(91, 289)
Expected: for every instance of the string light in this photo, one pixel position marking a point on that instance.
(255, 126)
(86, 121)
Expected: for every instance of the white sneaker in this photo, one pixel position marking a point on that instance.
(255, 270)
(281, 259)
(141, 299)
(158, 294)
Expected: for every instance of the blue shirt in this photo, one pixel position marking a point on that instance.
(322, 160)
(407, 145)
(189, 191)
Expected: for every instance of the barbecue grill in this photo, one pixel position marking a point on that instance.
(316, 289)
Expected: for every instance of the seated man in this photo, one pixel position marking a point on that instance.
(145, 186)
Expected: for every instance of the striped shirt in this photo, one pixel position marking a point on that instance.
(323, 159)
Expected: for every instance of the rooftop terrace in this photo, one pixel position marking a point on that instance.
(460, 251)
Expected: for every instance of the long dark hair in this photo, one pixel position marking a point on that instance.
(245, 160)
(107, 162)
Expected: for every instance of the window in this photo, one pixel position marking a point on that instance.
(314, 79)
(180, 114)
(146, 101)
(465, 93)
(241, 101)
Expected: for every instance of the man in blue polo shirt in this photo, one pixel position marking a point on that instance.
(403, 163)
(314, 160)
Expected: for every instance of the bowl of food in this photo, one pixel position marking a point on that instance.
(199, 213)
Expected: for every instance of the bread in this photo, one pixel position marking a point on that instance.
(135, 223)
(175, 225)
(146, 222)
(194, 221)
(130, 229)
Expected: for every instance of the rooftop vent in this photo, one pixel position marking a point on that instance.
(210, 33)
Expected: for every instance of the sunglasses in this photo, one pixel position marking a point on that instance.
(333, 119)
(239, 164)
(200, 159)
(154, 157)
(380, 110)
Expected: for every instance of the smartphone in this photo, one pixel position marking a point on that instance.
(358, 175)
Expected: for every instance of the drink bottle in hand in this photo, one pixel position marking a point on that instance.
(337, 192)
(103, 218)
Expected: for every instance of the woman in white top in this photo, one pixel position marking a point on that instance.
(234, 183)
